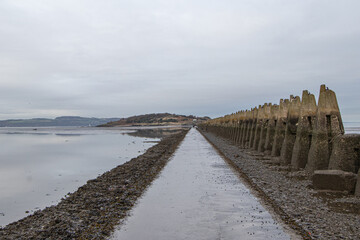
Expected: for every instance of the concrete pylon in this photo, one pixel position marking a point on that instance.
(236, 127)
(252, 127)
(270, 133)
(246, 140)
(258, 124)
(241, 127)
(233, 126)
(304, 131)
(228, 126)
(290, 130)
(235, 123)
(264, 126)
(244, 137)
(328, 125)
(345, 153)
(280, 127)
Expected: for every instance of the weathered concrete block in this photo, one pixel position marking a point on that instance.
(242, 126)
(248, 133)
(336, 180)
(290, 130)
(270, 133)
(252, 127)
(258, 125)
(280, 127)
(238, 132)
(245, 133)
(357, 187)
(345, 153)
(328, 125)
(304, 131)
(264, 126)
(237, 127)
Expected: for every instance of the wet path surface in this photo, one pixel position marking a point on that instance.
(198, 196)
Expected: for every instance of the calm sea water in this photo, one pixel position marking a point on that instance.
(352, 127)
(40, 166)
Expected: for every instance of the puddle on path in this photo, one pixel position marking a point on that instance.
(198, 196)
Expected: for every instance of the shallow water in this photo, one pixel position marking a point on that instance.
(198, 196)
(39, 167)
(352, 127)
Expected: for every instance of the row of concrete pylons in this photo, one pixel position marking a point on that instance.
(298, 131)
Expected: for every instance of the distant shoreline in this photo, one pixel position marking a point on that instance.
(64, 121)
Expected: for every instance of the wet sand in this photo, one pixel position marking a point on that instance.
(199, 196)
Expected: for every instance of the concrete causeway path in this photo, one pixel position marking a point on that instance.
(199, 196)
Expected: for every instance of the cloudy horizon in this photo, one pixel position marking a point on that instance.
(206, 58)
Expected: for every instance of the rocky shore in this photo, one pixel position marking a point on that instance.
(97, 207)
(314, 214)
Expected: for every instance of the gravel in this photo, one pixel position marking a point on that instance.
(314, 214)
(97, 207)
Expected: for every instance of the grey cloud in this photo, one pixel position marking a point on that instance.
(119, 58)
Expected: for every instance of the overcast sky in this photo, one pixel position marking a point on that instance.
(118, 58)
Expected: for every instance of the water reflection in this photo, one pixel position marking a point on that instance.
(155, 132)
(67, 135)
(20, 133)
(352, 127)
(39, 167)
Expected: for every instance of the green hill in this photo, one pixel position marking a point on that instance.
(156, 119)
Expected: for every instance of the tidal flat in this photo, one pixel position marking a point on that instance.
(39, 166)
(95, 208)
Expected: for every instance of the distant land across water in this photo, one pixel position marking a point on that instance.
(152, 119)
(156, 119)
(75, 121)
